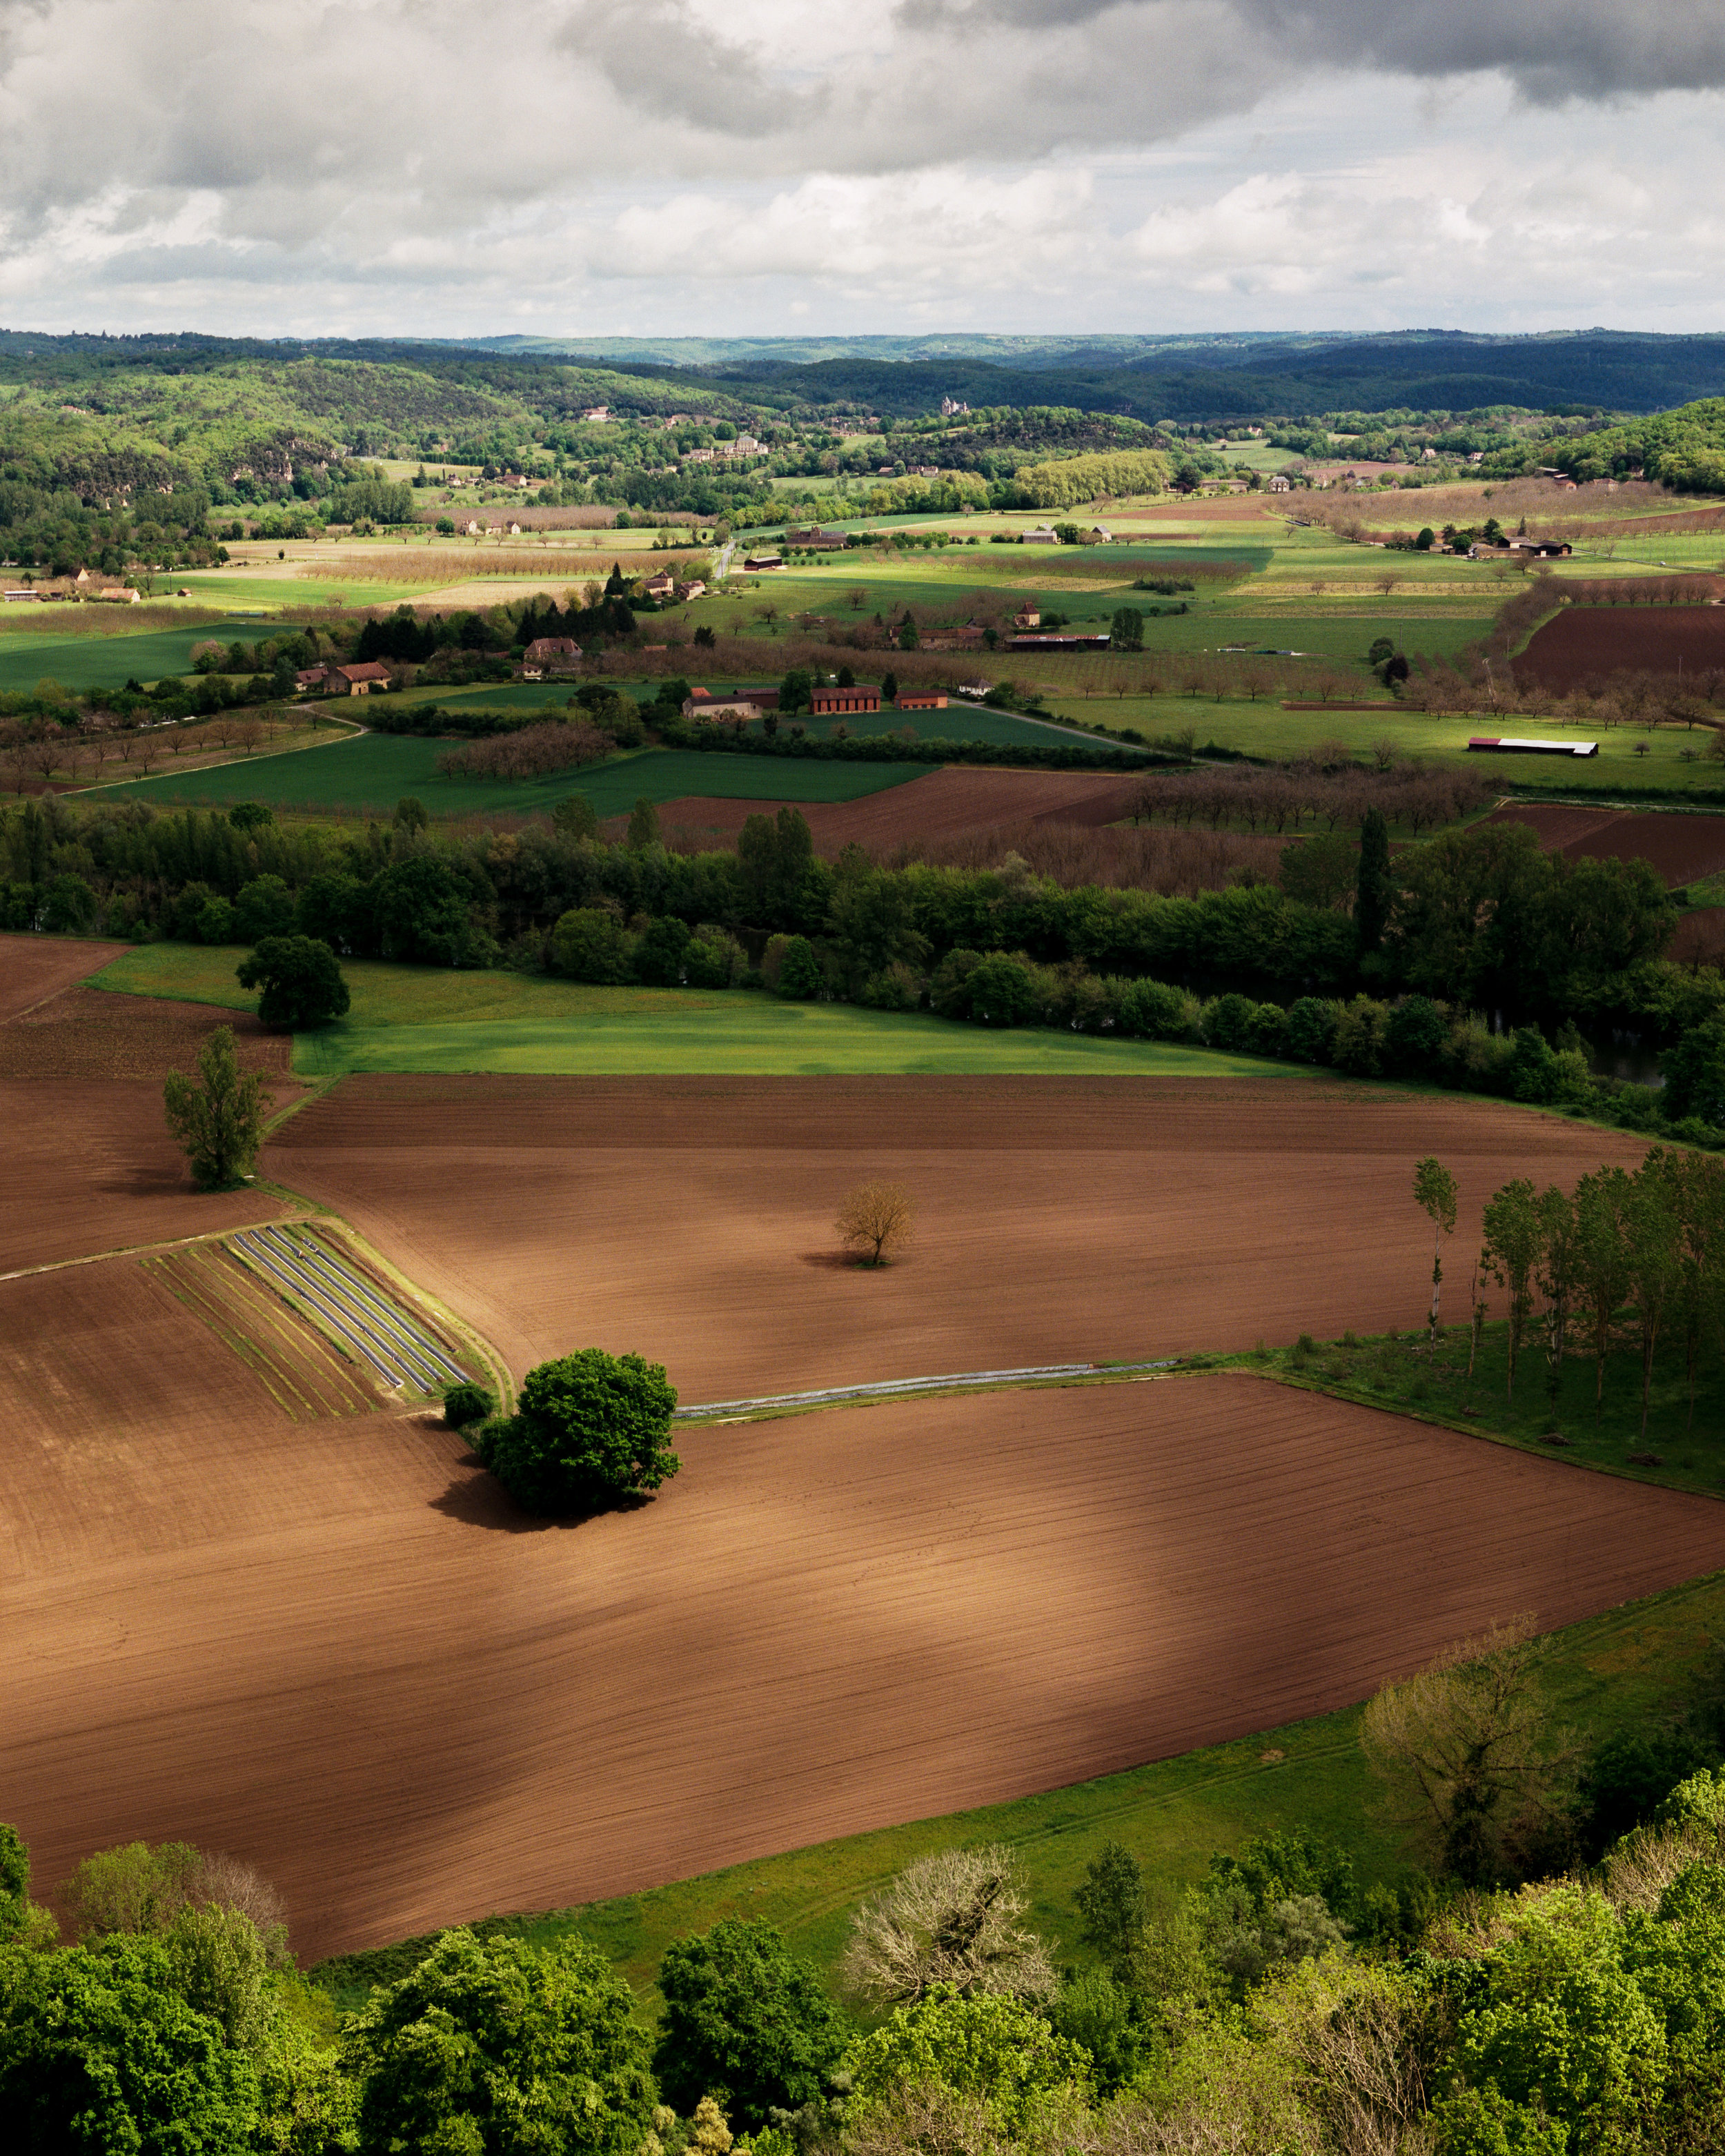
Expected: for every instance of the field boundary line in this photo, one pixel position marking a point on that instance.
(887, 1388)
(148, 1250)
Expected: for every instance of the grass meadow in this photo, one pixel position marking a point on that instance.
(1627, 1672)
(424, 1018)
(368, 773)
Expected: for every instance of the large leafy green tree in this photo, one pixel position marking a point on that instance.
(99, 2052)
(745, 2020)
(591, 1429)
(502, 2049)
(219, 1123)
(300, 983)
(990, 2047)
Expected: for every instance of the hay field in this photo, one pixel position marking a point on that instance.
(1059, 1218)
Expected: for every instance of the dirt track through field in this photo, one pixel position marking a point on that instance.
(360, 1669)
(1058, 1220)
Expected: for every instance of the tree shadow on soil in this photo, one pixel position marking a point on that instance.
(845, 1261)
(479, 1500)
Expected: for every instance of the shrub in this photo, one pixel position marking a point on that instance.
(1001, 990)
(1154, 1010)
(659, 953)
(1310, 1028)
(589, 944)
(1227, 1022)
(215, 924)
(896, 987)
(1358, 1043)
(800, 979)
(1414, 1035)
(468, 1403)
(713, 958)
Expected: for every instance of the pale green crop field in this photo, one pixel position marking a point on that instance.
(423, 1019)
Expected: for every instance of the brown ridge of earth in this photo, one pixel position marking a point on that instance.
(947, 801)
(1681, 848)
(33, 968)
(409, 1704)
(1057, 1220)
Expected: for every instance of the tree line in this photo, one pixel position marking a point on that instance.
(1630, 1257)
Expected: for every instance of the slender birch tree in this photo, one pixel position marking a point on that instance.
(1435, 1193)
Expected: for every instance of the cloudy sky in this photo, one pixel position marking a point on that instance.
(570, 167)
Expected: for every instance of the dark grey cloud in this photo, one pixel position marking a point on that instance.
(660, 58)
(1553, 50)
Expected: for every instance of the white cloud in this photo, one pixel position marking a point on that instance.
(419, 165)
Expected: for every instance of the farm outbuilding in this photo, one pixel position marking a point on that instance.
(860, 696)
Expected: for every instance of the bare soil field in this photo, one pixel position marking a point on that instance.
(33, 967)
(90, 1167)
(948, 802)
(1682, 848)
(351, 1663)
(117, 1397)
(1058, 1220)
(92, 1033)
(1585, 646)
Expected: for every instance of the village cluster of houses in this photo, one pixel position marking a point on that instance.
(828, 701)
(356, 681)
(669, 590)
(745, 445)
(86, 586)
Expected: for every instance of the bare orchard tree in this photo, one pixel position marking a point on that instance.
(950, 1918)
(1467, 1750)
(875, 1221)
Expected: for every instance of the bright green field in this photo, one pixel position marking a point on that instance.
(1265, 729)
(1626, 1670)
(412, 1017)
(370, 772)
(97, 662)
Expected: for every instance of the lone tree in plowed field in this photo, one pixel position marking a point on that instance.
(220, 1124)
(874, 1220)
(591, 1429)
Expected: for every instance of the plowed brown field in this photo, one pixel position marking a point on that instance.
(93, 1033)
(1682, 848)
(334, 1650)
(90, 1167)
(944, 803)
(1059, 1221)
(34, 966)
(1586, 644)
